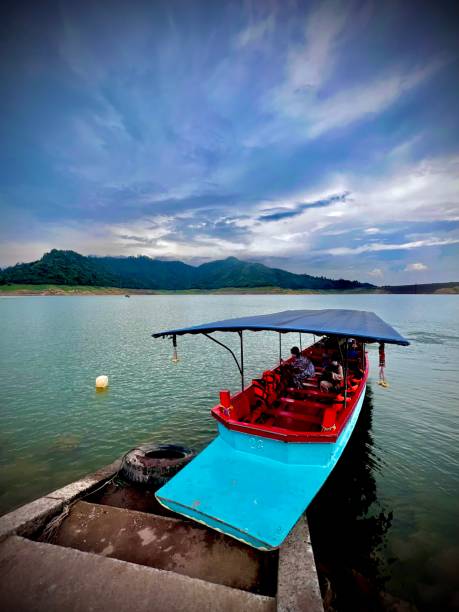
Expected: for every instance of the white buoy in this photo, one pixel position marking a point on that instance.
(101, 382)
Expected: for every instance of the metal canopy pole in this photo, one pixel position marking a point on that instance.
(241, 370)
(345, 373)
(339, 349)
(242, 360)
(301, 348)
(280, 348)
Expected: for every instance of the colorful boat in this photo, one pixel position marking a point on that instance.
(277, 443)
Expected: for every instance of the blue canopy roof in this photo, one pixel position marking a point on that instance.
(360, 324)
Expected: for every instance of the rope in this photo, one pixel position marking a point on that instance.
(55, 523)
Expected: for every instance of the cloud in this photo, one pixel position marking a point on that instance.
(310, 64)
(423, 191)
(378, 246)
(306, 103)
(315, 113)
(376, 273)
(416, 267)
(255, 32)
(364, 99)
(286, 213)
(312, 224)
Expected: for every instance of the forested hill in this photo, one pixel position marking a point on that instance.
(70, 268)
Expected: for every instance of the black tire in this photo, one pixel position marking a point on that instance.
(154, 464)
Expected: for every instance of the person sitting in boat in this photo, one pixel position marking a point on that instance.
(354, 357)
(332, 377)
(352, 350)
(302, 368)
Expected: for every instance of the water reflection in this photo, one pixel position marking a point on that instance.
(349, 526)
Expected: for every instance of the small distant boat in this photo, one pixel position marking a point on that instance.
(127, 295)
(276, 444)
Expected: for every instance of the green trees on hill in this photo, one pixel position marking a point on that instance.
(58, 268)
(70, 268)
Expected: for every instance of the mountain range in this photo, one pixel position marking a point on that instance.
(70, 268)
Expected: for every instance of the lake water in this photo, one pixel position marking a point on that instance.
(387, 518)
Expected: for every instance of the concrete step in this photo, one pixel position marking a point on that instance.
(169, 544)
(40, 577)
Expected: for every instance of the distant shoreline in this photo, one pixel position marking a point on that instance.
(77, 290)
(58, 290)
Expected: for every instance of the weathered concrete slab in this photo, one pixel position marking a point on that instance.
(168, 543)
(85, 484)
(27, 519)
(133, 497)
(48, 578)
(297, 582)
(43, 577)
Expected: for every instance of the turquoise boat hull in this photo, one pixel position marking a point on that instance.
(254, 488)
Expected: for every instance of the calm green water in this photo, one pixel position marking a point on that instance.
(403, 462)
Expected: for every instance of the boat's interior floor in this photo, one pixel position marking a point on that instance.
(273, 402)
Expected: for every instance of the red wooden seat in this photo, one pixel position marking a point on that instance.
(308, 404)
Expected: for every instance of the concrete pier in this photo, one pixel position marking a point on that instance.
(103, 557)
(48, 578)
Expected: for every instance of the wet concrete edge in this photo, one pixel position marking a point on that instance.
(27, 519)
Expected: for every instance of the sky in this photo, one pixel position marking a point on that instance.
(317, 137)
